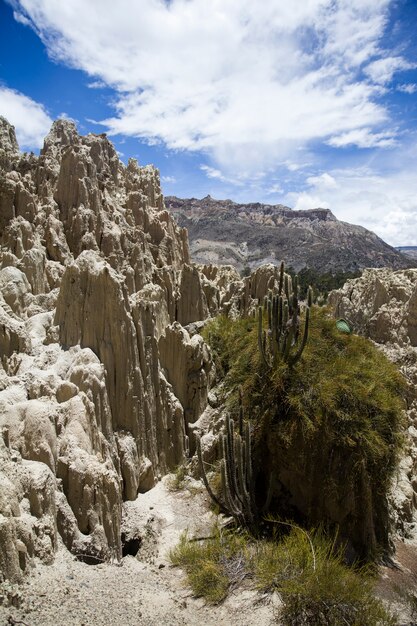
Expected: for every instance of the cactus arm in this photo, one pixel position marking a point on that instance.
(289, 340)
(240, 412)
(261, 342)
(227, 494)
(287, 287)
(205, 479)
(248, 465)
(270, 313)
(293, 360)
(280, 312)
(231, 460)
(310, 297)
(285, 314)
(281, 278)
(241, 479)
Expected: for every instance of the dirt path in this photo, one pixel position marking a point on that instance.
(143, 590)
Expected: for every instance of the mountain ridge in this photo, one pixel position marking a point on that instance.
(248, 235)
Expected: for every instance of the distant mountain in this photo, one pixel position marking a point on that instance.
(410, 251)
(225, 232)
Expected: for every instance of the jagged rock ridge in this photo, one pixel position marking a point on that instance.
(410, 251)
(102, 371)
(95, 291)
(222, 231)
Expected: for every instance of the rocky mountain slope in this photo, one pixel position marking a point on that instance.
(410, 251)
(222, 231)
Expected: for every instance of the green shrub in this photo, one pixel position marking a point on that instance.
(212, 566)
(315, 586)
(321, 282)
(176, 481)
(328, 429)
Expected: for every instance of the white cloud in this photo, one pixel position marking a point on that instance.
(351, 30)
(247, 82)
(96, 84)
(407, 88)
(66, 116)
(324, 181)
(384, 203)
(292, 167)
(304, 201)
(29, 118)
(363, 138)
(212, 172)
(21, 18)
(382, 70)
(275, 188)
(168, 179)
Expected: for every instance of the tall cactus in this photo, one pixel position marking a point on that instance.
(237, 492)
(283, 340)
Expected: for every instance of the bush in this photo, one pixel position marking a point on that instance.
(328, 430)
(321, 282)
(306, 570)
(315, 585)
(212, 566)
(176, 481)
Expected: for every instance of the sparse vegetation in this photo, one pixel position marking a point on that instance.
(214, 565)
(321, 282)
(176, 481)
(315, 586)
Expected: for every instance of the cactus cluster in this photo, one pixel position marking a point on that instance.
(283, 339)
(237, 492)
(237, 497)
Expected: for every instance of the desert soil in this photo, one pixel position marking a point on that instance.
(145, 590)
(142, 590)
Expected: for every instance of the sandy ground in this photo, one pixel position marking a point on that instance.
(400, 578)
(146, 590)
(142, 590)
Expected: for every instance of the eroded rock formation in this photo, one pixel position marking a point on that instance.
(98, 378)
(103, 375)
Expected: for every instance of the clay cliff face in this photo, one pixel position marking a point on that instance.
(98, 378)
(382, 305)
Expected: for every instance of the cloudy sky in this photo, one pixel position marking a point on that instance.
(303, 102)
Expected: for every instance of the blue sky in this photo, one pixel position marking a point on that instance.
(306, 103)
